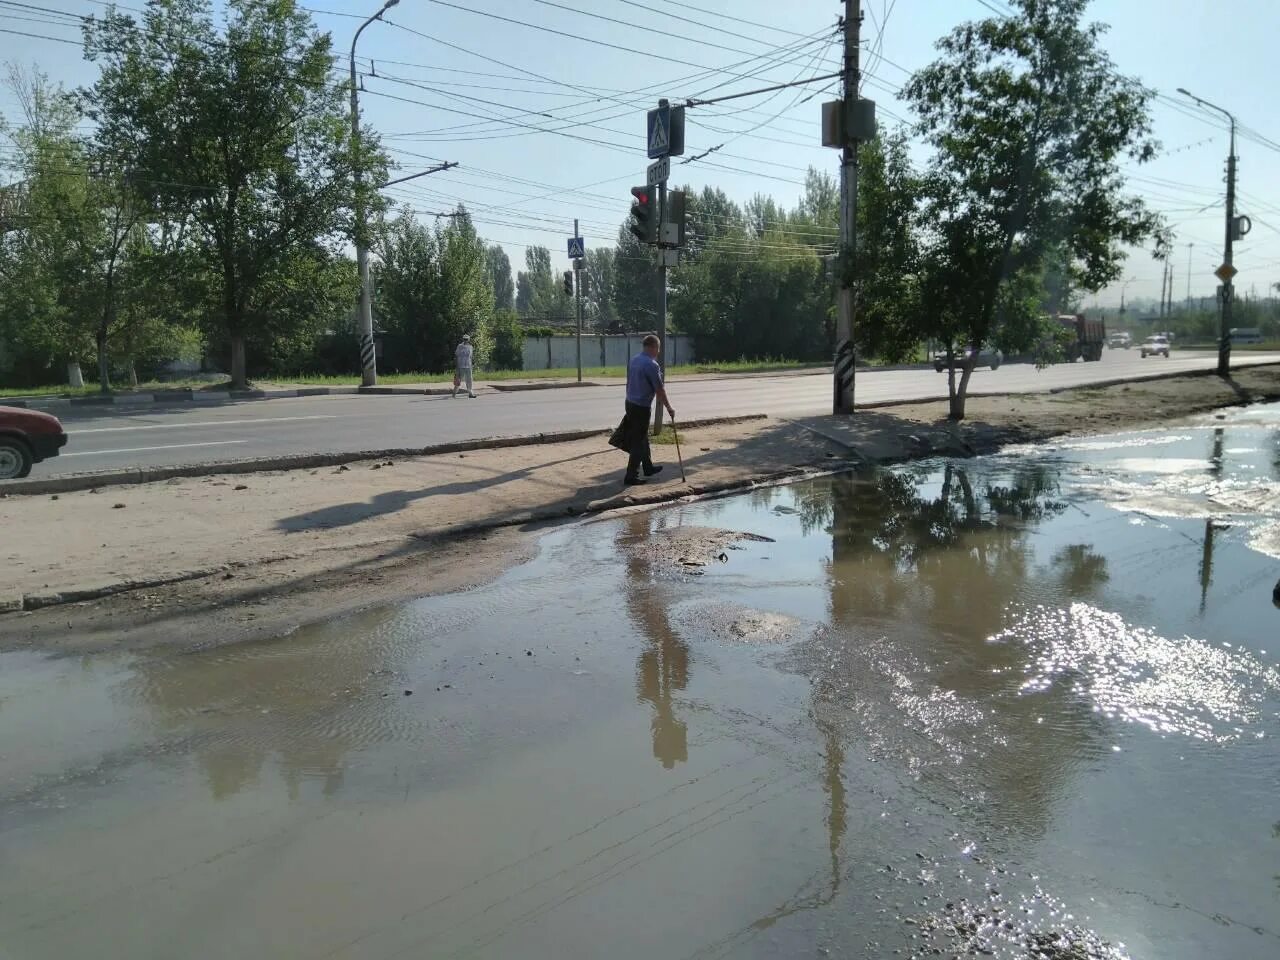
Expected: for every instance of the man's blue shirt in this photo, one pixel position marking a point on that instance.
(644, 377)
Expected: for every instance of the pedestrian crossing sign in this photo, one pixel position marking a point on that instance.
(659, 132)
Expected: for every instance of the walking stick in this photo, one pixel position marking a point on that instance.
(679, 456)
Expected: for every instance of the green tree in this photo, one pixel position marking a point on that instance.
(888, 302)
(540, 296)
(599, 306)
(242, 133)
(1029, 120)
(753, 298)
(708, 214)
(635, 290)
(508, 341)
(41, 319)
(434, 288)
(499, 266)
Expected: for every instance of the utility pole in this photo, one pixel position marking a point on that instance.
(842, 401)
(368, 355)
(1227, 271)
(1228, 289)
(1169, 311)
(1190, 247)
(1164, 286)
(577, 291)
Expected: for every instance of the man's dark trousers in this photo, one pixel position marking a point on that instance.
(637, 432)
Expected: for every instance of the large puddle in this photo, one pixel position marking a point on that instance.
(1025, 706)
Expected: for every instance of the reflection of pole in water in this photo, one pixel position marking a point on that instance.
(833, 786)
(663, 668)
(1206, 564)
(1206, 557)
(663, 665)
(1215, 458)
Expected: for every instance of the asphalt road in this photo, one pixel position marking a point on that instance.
(118, 437)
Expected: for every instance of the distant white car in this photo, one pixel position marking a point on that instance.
(1154, 347)
(1121, 341)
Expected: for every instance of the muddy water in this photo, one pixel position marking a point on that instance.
(1026, 706)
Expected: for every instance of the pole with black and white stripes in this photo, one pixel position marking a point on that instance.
(844, 359)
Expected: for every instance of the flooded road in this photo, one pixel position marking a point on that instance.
(1022, 706)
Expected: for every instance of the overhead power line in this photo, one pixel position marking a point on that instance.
(573, 36)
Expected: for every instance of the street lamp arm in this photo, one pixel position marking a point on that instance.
(377, 16)
(1205, 103)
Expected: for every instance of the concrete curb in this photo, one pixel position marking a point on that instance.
(685, 491)
(236, 396)
(90, 481)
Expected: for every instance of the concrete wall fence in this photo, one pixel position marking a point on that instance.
(558, 353)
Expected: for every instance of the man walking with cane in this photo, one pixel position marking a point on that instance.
(644, 382)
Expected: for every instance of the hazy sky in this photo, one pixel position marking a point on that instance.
(452, 84)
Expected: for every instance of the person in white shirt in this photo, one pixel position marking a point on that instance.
(463, 374)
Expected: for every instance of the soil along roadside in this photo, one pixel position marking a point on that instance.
(220, 558)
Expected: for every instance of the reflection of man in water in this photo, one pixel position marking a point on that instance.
(663, 665)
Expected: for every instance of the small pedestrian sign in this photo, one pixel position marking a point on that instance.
(577, 249)
(659, 137)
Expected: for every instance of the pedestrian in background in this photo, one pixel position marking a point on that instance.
(644, 382)
(463, 372)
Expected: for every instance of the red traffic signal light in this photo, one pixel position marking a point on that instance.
(644, 217)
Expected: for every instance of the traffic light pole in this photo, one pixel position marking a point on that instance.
(842, 399)
(662, 300)
(577, 292)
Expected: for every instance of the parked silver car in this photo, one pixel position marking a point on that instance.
(987, 357)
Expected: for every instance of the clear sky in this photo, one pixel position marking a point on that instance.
(488, 89)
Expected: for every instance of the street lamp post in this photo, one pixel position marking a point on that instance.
(1224, 332)
(368, 359)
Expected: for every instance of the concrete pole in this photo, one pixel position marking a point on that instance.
(1190, 247)
(1224, 331)
(1164, 286)
(368, 356)
(577, 292)
(842, 399)
(1228, 287)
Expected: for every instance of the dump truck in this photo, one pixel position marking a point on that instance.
(1091, 336)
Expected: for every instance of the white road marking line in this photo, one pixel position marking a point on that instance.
(172, 446)
(202, 423)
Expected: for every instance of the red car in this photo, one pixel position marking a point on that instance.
(26, 438)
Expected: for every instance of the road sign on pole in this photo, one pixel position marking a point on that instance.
(659, 131)
(659, 171)
(577, 249)
(1225, 272)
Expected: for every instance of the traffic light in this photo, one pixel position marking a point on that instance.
(644, 214)
(568, 283)
(676, 214)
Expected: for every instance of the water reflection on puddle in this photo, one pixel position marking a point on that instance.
(1022, 706)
